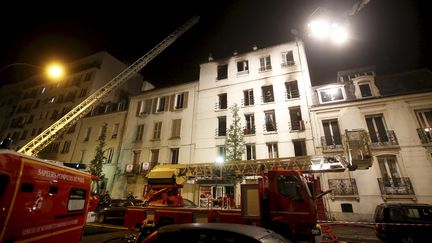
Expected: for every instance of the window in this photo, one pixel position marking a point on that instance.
(272, 150)
(248, 97)
(136, 157)
(223, 101)
(175, 129)
(66, 146)
(270, 121)
(250, 152)
(139, 108)
(376, 127)
(287, 58)
(365, 90)
(332, 136)
(174, 155)
(108, 153)
(292, 90)
(331, 95)
(115, 130)
(154, 156)
(139, 133)
(222, 71)
(160, 105)
(346, 208)
(242, 67)
(221, 131)
(83, 92)
(43, 89)
(296, 121)
(77, 200)
(299, 147)
(267, 93)
(425, 118)
(23, 135)
(87, 136)
(265, 64)
(389, 170)
(250, 124)
(289, 186)
(157, 130)
(180, 101)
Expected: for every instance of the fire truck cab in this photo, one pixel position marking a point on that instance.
(41, 201)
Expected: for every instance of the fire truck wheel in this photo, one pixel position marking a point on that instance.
(101, 218)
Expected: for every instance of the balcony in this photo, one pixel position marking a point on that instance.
(247, 102)
(396, 188)
(343, 188)
(425, 135)
(270, 127)
(220, 106)
(293, 94)
(297, 125)
(219, 132)
(331, 143)
(132, 169)
(384, 140)
(265, 68)
(249, 130)
(287, 64)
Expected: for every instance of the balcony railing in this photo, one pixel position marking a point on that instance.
(297, 125)
(336, 143)
(343, 187)
(395, 186)
(220, 132)
(221, 106)
(382, 140)
(270, 127)
(292, 94)
(249, 130)
(247, 102)
(425, 135)
(265, 68)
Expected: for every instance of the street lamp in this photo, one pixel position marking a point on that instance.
(53, 71)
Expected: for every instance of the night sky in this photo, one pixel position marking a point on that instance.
(392, 35)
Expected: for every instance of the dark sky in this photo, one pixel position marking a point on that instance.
(393, 35)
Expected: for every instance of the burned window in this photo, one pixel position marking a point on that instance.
(267, 93)
(222, 71)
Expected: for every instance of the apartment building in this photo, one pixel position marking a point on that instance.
(396, 111)
(43, 103)
(158, 130)
(271, 87)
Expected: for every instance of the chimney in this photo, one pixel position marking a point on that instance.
(254, 47)
(210, 58)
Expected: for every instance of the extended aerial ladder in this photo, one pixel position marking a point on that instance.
(356, 149)
(55, 130)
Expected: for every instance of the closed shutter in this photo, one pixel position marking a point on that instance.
(172, 102)
(185, 99)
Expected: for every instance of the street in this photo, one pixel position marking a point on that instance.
(95, 233)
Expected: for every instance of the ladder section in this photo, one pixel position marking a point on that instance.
(306, 164)
(55, 130)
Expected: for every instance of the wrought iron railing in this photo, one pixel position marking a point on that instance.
(387, 139)
(396, 186)
(270, 127)
(343, 187)
(297, 125)
(247, 102)
(335, 143)
(249, 130)
(219, 132)
(425, 135)
(221, 106)
(292, 94)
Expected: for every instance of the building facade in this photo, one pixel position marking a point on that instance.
(396, 112)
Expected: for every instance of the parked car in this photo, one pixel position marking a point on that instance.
(213, 232)
(116, 210)
(397, 222)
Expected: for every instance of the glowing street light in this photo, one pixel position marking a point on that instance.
(53, 71)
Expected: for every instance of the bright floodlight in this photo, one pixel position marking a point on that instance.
(319, 28)
(219, 160)
(55, 71)
(339, 34)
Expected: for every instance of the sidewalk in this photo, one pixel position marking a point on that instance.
(349, 233)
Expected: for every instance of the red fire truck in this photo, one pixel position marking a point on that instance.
(41, 200)
(284, 197)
